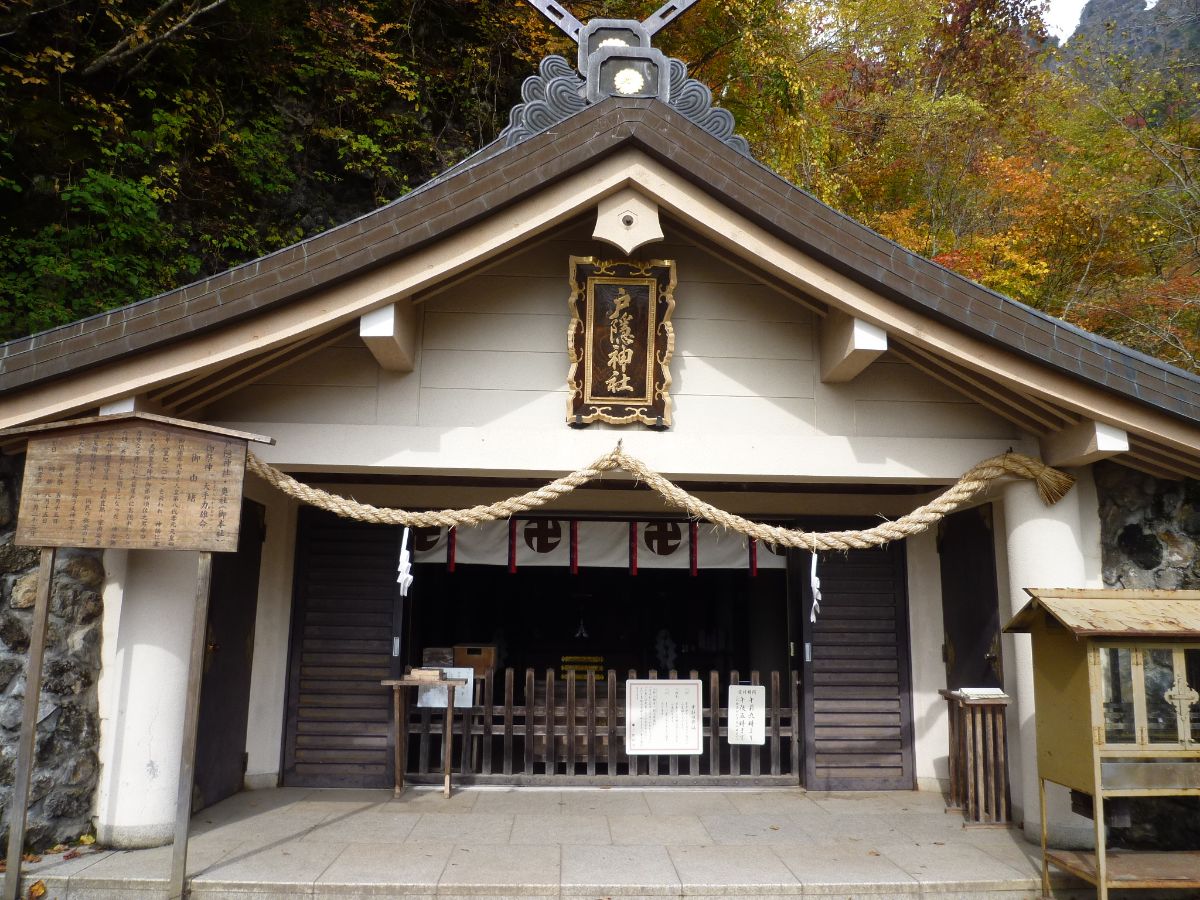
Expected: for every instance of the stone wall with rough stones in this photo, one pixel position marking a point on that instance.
(1150, 529)
(66, 772)
(1150, 533)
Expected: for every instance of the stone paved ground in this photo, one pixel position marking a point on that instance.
(569, 844)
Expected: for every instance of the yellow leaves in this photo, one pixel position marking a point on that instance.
(37, 889)
(87, 839)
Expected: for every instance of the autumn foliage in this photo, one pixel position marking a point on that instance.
(140, 148)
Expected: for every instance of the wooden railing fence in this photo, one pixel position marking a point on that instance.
(514, 736)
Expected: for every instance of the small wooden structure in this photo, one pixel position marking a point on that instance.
(1115, 679)
(979, 756)
(128, 481)
(414, 679)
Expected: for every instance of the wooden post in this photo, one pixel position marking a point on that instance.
(400, 712)
(447, 740)
(19, 805)
(191, 723)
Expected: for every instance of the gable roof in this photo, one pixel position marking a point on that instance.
(1113, 613)
(499, 176)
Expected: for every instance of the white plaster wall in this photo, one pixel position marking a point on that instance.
(268, 675)
(1046, 548)
(143, 688)
(931, 736)
(488, 393)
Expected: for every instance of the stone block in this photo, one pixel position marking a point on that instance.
(14, 559)
(86, 570)
(24, 591)
(13, 632)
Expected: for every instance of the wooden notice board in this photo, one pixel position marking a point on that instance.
(134, 482)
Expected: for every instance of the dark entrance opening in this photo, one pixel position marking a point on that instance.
(229, 652)
(970, 605)
(660, 619)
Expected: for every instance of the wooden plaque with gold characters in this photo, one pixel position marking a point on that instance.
(620, 341)
(137, 482)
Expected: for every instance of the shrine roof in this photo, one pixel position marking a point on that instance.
(1114, 613)
(505, 172)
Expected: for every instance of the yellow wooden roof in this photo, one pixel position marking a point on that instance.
(1114, 613)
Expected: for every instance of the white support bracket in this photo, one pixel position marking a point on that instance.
(848, 345)
(390, 333)
(1084, 443)
(132, 403)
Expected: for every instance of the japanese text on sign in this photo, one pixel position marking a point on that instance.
(136, 486)
(747, 714)
(663, 717)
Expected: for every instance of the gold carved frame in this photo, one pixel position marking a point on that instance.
(620, 341)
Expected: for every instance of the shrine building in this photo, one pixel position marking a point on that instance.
(615, 267)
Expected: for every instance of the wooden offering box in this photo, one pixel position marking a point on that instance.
(1117, 687)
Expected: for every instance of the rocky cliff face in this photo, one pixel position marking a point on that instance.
(66, 770)
(1170, 29)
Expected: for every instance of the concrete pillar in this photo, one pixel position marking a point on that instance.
(1045, 548)
(142, 710)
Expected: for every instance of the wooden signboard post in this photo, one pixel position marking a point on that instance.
(131, 481)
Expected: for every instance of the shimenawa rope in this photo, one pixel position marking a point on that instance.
(1052, 485)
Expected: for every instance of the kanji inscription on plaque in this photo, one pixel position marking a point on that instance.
(620, 341)
(747, 714)
(663, 716)
(134, 484)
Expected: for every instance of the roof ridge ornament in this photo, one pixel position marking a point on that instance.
(615, 59)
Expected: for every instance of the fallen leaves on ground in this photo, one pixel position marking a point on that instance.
(37, 889)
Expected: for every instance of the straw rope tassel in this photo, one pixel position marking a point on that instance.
(1052, 486)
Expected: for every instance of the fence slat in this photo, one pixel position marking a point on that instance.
(548, 760)
(591, 722)
(775, 715)
(673, 759)
(508, 722)
(610, 726)
(571, 722)
(714, 723)
(631, 762)
(735, 750)
(694, 759)
(530, 715)
(489, 714)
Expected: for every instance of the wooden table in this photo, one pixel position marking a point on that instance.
(400, 721)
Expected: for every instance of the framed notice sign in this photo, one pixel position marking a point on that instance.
(132, 481)
(663, 717)
(747, 714)
(620, 341)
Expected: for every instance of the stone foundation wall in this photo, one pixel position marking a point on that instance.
(67, 769)
(1150, 529)
(1150, 532)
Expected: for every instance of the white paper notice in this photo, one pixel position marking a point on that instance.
(663, 717)
(747, 714)
(435, 695)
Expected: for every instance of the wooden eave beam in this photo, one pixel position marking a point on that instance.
(390, 333)
(1083, 443)
(848, 345)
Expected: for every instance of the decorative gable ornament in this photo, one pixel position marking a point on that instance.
(615, 59)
